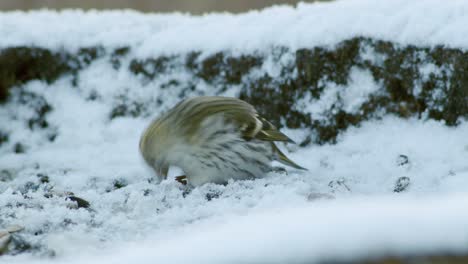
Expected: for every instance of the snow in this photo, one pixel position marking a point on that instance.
(343, 208)
(432, 22)
(352, 96)
(325, 229)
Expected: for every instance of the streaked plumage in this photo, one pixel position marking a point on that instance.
(213, 139)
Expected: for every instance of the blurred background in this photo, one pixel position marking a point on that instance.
(191, 6)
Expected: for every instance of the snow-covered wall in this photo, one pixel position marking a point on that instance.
(420, 23)
(325, 89)
(374, 92)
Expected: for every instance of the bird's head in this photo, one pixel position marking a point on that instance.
(155, 144)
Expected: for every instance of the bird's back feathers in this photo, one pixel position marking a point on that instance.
(237, 112)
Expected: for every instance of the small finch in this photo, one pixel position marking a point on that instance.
(213, 139)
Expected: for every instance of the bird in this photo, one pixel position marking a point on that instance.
(213, 139)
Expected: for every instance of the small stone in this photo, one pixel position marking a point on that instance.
(402, 160)
(93, 95)
(186, 191)
(339, 184)
(319, 196)
(120, 183)
(3, 137)
(19, 148)
(43, 178)
(6, 175)
(213, 195)
(52, 136)
(67, 222)
(53, 193)
(279, 170)
(81, 203)
(325, 163)
(401, 184)
(29, 186)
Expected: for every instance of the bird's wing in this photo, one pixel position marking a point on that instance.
(244, 117)
(241, 114)
(284, 159)
(265, 131)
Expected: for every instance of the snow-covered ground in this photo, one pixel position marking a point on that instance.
(344, 207)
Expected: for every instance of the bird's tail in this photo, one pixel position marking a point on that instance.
(283, 159)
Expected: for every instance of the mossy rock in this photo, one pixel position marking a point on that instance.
(406, 88)
(21, 64)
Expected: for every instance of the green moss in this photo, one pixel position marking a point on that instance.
(222, 68)
(4, 137)
(119, 183)
(21, 64)
(236, 68)
(19, 148)
(87, 55)
(191, 60)
(6, 175)
(121, 110)
(321, 64)
(43, 178)
(170, 83)
(39, 106)
(457, 95)
(211, 67)
(399, 72)
(117, 55)
(150, 68)
(124, 107)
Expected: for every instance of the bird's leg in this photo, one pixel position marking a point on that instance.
(182, 179)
